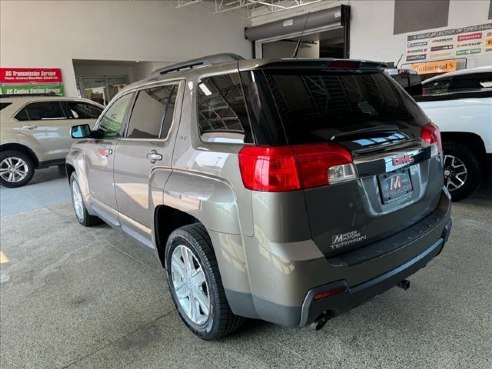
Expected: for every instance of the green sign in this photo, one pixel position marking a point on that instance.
(32, 89)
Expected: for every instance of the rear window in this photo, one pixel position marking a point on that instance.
(465, 83)
(315, 106)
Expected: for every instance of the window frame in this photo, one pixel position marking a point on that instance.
(136, 91)
(196, 82)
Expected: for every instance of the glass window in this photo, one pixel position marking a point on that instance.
(4, 105)
(222, 114)
(22, 115)
(81, 110)
(112, 122)
(153, 111)
(45, 110)
(315, 106)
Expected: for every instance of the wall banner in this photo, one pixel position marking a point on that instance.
(32, 89)
(15, 81)
(449, 43)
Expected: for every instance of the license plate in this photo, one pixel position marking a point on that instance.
(395, 185)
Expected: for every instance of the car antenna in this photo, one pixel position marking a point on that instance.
(398, 62)
(300, 36)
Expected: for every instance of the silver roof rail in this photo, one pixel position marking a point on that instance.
(203, 61)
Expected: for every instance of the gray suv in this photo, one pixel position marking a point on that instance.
(284, 190)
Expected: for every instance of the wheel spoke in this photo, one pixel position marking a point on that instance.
(198, 277)
(178, 267)
(203, 301)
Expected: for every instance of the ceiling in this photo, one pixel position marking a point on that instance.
(247, 7)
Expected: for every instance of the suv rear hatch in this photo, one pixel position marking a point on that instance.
(365, 155)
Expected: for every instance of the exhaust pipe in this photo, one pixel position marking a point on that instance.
(320, 321)
(404, 284)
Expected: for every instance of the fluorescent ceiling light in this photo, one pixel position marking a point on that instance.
(205, 89)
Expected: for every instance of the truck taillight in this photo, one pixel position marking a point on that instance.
(430, 134)
(290, 168)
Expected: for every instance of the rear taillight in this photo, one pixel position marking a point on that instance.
(430, 134)
(289, 168)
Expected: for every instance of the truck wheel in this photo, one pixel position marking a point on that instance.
(462, 174)
(16, 168)
(195, 284)
(79, 208)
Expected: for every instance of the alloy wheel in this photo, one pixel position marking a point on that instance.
(78, 203)
(190, 285)
(13, 169)
(455, 172)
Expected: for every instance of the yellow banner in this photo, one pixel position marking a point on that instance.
(442, 66)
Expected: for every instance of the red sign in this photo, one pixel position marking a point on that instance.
(30, 75)
(470, 36)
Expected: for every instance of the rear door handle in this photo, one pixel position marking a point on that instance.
(108, 152)
(29, 127)
(154, 156)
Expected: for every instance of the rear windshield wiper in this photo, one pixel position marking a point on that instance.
(366, 131)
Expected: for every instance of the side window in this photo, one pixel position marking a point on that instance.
(22, 115)
(112, 122)
(437, 87)
(471, 82)
(81, 110)
(152, 113)
(45, 110)
(222, 114)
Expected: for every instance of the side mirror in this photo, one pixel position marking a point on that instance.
(81, 131)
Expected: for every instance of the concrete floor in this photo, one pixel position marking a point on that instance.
(75, 297)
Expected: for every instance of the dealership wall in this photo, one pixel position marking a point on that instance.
(53, 33)
(371, 31)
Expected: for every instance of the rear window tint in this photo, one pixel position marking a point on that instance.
(315, 106)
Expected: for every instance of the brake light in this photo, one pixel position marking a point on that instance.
(290, 168)
(343, 64)
(430, 133)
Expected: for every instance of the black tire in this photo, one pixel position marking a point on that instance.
(16, 155)
(221, 321)
(474, 174)
(85, 218)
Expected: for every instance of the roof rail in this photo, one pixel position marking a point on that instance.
(205, 60)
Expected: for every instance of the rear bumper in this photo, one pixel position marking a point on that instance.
(282, 288)
(356, 295)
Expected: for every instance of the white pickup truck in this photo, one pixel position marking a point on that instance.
(460, 103)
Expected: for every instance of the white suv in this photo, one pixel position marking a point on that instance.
(35, 133)
(460, 103)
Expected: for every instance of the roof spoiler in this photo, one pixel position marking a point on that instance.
(203, 61)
